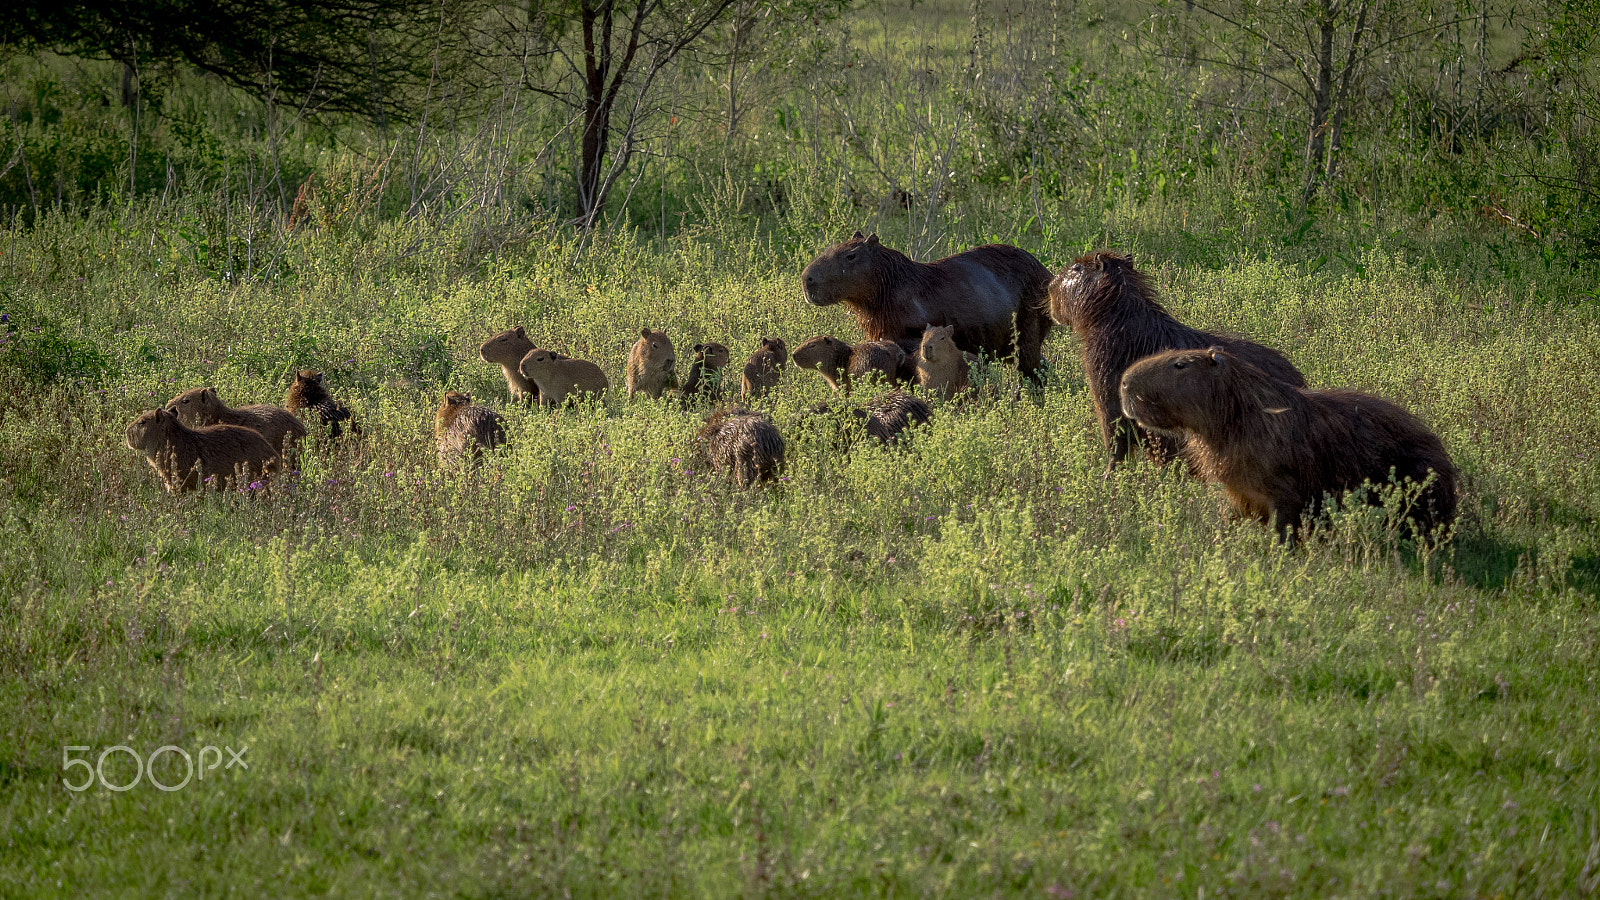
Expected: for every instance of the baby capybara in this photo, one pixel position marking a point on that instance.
(764, 368)
(651, 364)
(892, 413)
(840, 363)
(706, 373)
(506, 350)
(1277, 449)
(202, 406)
(558, 377)
(307, 395)
(742, 443)
(1118, 317)
(942, 368)
(186, 457)
(465, 429)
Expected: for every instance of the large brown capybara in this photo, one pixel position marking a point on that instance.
(742, 443)
(307, 394)
(187, 458)
(202, 406)
(1277, 449)
(1119, 319)
(652, 365)
(994, 296)
(464, 429)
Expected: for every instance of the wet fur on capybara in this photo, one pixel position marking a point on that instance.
(942, 368)
(652, 364)
(464, 428)
(307, 394)
(764, 369)
(1119, 319)
(1278, 449)
(202, 406)
(994, 296)
(706, 373)
(742, 443)
(185, 457)
(558, 377)
(840, 364)
(888, 415)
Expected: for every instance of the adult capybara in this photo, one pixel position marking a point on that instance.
(186, 457)
(764, 368)
(557, 377)
(465, 429)
(651, 364)
(1119, 319)
(840, 363)
(942, 368)
(994, 296)
(742, 443)
(307, 395)
(202, 406)
(706, 373)
(1277, 449)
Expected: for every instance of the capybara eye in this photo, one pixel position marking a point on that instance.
(1180, 365)
(849, 256)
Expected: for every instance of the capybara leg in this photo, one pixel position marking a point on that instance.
(1119, 441)
(1030, 346)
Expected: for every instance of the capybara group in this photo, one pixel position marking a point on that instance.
(942, 369)
(743, 444)
(202, 406)
(558, 377)
(994, 296)
(506, 350)
(307, 395)
(1119, 319)
(840, 363)
(706, 373)
(764, 369)
(186, 457)
(464, 429)
(1277, 449)
(651, 365)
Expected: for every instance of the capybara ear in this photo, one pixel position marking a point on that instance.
(872, 239)
(520, 332)
(858, 236)
(1217, 354)
(644, 332)
(211, 393)
(698, 348)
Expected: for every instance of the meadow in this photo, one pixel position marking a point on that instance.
(969, 665)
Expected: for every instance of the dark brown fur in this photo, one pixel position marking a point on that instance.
(1119, 319)
(185, 457)
(994, 296)
(1278, 449)
(742, 443)
(888, 415)
(202, 406)
(465, 429)
(764, 369)
(307, 394)
(706, 373)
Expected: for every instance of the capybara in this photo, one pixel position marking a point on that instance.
(186, 457)
(465, 429)
(742, 443)
(1118, 317)
(557, 377)
(651, 364)
(764, 368)
(307, 394)
(202, 406)
(942, 368)
(706, 373)
(506, 350)
(1277, 449)
(888, 415)
(840, 363)
(994, 296)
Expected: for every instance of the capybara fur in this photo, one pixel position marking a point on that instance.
(706, 373)
(186, 457)
(840, 363)
(307, 395)
(764, 368)
(994, 296)
(652, 365)
(743, 444)
(506, 350)
(202, 406)
(888, 415)
(1277, 449)
(942, 368)
(464, 429)
(558, 377)
(1119, 319)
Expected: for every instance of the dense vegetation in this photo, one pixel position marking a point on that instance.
(969, 665)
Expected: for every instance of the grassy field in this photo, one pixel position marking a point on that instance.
(967, 666)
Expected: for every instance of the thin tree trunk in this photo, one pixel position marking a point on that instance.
(1321, 98)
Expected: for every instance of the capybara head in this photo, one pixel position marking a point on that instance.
(822, 352)
(850, 271)
(307, 389)
(654, 351)
(711, 356)
(148, 432)
(939, 343)
(198, 405)
(533, 360)
(1072, 288)
(777, 347)
(506, 348)
(1191, 390)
